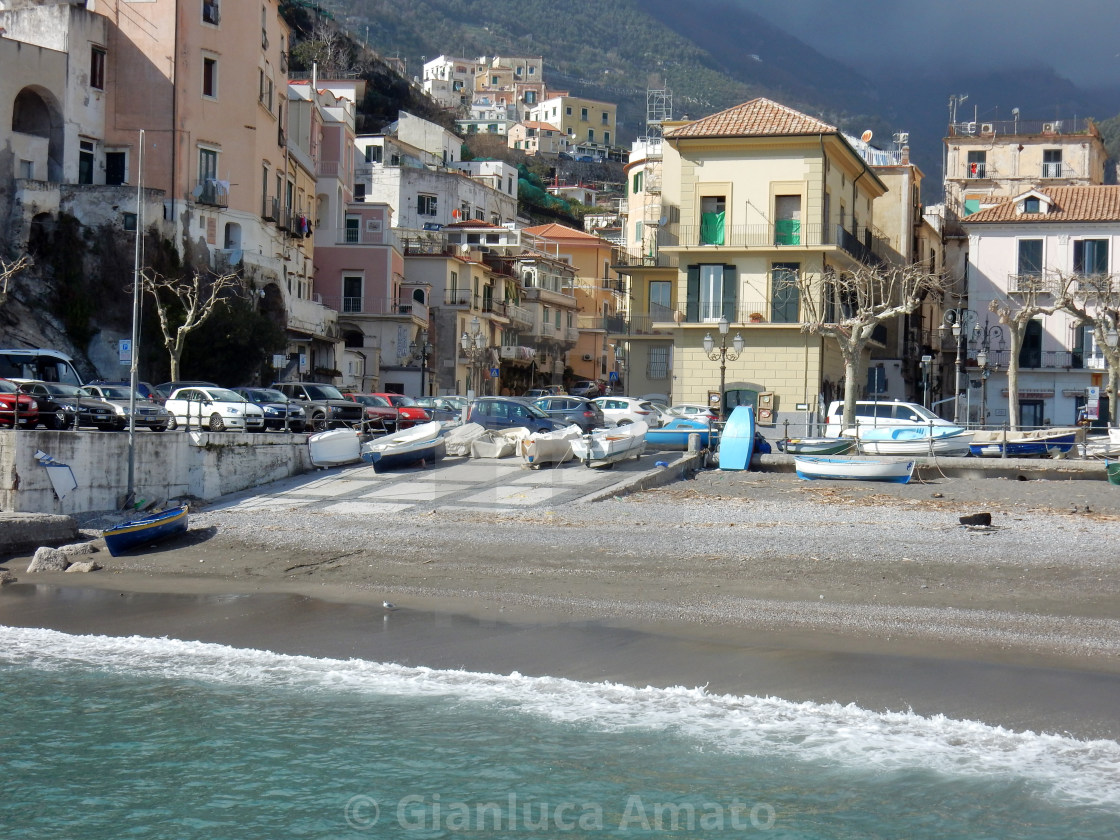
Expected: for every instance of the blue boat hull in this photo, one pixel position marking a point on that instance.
(147, 530)
(431, 452)
(736, 444)
(1026, 448)
(675, 435)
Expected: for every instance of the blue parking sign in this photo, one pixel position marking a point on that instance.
(614, 376)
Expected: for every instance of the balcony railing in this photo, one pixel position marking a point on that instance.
(1029, 283)
(859, 243)
(375, 306)
(976, 170)
(519, 314)
(1097, 284)
(636, 257)
(1039, 359)
(1056, 170)
(213, 193)
(270, 209)
(460, 297)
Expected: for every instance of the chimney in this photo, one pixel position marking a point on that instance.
(904, 160)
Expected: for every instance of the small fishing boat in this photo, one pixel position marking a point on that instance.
(914, 440)
(853, 469)
(1022, 444)
(148, 529)
(495, 443)
(458, 439)
(549, 447)
(335, 447)
(736, 443)
(675, 434)
(817, 446)
(406, 447)
(604, 447)
(1114, 437)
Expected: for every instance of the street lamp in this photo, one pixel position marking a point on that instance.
(422, 348)
(984, 335)
(957, 320)
(473, 345)
(723, 356)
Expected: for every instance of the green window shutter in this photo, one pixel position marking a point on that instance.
(711, 228)
(730, 293)
(971, 205)
(692, 308)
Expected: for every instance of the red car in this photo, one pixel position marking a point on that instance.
(385, 409)
(12, 401)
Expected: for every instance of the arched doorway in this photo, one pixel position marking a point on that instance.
(35, 111)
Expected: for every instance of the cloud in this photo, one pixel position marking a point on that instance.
(1077, 38)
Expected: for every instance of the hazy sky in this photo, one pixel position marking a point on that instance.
(1080, 39)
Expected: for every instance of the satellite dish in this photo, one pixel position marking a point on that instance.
(464, 248)
(866, 136)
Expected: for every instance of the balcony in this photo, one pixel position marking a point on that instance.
(975, 170)
(1056, 170)
(1030, 359)
(329, 169)
(548, 296)
(379, 307)
(213, 193)
(519, 315)
(1032, 283)
(461, 297)
(626, 258)
(270, 209)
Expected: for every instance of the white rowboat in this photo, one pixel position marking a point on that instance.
(604, 447)
(853, 469)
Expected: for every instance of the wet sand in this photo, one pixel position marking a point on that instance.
(655, 620)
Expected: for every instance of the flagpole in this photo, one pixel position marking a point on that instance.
(134, 379)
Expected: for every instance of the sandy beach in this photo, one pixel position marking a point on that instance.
(747, 583)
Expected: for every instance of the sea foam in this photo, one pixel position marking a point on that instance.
(843, 736)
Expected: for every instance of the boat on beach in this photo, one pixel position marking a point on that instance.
(817, 446)
(853, 469)
(604, 447)
(1025, 444)
(335, 447)
(148, 529)
(406, 447)
(736, 442)
(914, 440)
(675, 434)
(549, 447)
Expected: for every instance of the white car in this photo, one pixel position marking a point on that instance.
(888, 413)
(619, 411)
(216, 409)
(694, 411)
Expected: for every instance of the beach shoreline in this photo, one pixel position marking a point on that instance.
(743, 583)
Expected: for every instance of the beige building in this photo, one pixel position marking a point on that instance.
(587, 122)
(748, 200)
(538, 138)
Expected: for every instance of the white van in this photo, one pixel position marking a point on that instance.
(881, 413)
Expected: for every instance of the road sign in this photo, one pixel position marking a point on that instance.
(494, 373)
(614, 376)
(124, 347)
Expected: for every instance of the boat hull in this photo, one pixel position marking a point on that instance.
(817, 446)
(608, 446)
(1025, 444)
(406, 456)
(146, 530)
(675, 435)
(334, 448)
(948, 440)
(736, 443)
(853, 469)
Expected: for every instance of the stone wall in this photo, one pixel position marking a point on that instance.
(202, 465)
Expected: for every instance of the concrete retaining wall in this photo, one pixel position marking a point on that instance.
(203, 465)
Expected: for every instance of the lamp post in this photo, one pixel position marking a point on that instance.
(473, 344)
(958, 320)
(984, 335)
(723, 356)
(421, 347)
(927, 361)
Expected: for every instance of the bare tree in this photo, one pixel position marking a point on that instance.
(1018, 307)
(197, 296)
(8, 270)
(848, 306)
(1095, 302)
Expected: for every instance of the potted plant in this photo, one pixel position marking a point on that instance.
(756, 318)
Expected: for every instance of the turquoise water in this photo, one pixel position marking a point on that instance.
(156, 738)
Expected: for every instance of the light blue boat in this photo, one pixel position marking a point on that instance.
(736, 444)
(914, 440)
(675, 434)
(853, 469)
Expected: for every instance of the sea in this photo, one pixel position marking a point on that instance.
(134, 737)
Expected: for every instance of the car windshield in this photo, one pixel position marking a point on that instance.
(7, 387)
(370, 399)
(116, 393)
(225, 395)
(400, 399)
(923, 412)
(535, 410)
(324, 392)
(56, 390)
(266, 395)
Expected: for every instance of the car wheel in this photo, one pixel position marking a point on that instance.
(295, 428)
(319, 422)
(162, 428)
(217, 424)
(172, 423)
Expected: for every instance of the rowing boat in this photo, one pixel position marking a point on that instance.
(853, 469)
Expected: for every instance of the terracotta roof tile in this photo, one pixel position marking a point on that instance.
(1069, 204)
(758, 118)
(557, 232)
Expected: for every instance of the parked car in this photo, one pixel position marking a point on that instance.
(280, 412)
(510, 413)
(166, 389)
(442, 408)
(216, 409)
(325, 406)
(66, 406)
(410, 413)
(694, 411)
(378, 411)
(144, 389)
(619, 411)
(881, 413)
(589, 388)
(149, 413)
(13, 404)
(570, 410)
(546, 391)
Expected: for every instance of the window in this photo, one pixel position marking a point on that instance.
(97, 68)
(787, 225)
(1030, 257)
(658, 365)
(373, 154)
(661, 300)
(479, 214)
(1030, 356)
(207, 165)
(1090, 256)
(583, 114)
(712, 212)
(210, 12)
(1051, 163)
(210, 77)
(784, 294)
(1031, 204)
(607, 138)
(116, 168)
(85, 161)
(352, 293)
(359, 192)
(426, 205)
(353, 227)
(590, 135)
(711, 293)
(567, 111)
(606, 118)
(977, 165)
(265, 89)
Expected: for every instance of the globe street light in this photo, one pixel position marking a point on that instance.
(473, 345)
(984, 335)
(422, 348)
(723, 356)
